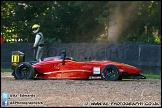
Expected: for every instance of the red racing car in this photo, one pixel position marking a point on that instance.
(63, 67)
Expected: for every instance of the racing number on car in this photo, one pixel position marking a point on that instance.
(15, 58)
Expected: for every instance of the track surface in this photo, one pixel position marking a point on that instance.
(81, 93)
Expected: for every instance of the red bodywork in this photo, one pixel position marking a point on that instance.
(52, 68)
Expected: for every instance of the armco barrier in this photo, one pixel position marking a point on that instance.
(137, 54)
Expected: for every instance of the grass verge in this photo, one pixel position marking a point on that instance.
(6, 70)
(150, 76)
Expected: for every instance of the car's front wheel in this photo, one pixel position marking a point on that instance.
(110, 73)
(24, 71)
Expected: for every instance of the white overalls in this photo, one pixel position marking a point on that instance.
(39, 44)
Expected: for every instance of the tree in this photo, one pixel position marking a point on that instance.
(82, 21)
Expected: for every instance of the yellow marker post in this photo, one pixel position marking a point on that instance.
(15, 58)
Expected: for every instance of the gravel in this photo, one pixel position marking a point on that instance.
(81, 93)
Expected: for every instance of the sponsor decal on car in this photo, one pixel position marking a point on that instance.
(96, 70)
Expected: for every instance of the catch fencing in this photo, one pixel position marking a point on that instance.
(145, 56)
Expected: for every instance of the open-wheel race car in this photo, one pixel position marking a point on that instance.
(63, 67)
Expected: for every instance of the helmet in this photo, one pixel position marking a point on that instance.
(35, 28)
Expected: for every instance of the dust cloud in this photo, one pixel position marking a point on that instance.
(121, 16)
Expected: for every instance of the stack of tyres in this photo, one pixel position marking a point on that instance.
(17, 57)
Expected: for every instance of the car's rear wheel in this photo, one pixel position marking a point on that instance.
(110, 73)
(24, 71)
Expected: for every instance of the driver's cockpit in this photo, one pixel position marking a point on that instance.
(62, 56)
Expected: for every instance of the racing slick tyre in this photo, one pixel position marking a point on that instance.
(120, 78)
(24, 71)
(110, 73)
(13, 74)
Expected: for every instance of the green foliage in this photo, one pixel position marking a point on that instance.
(157, 39)
(143, 38)
(52, 40)
(80, 21)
